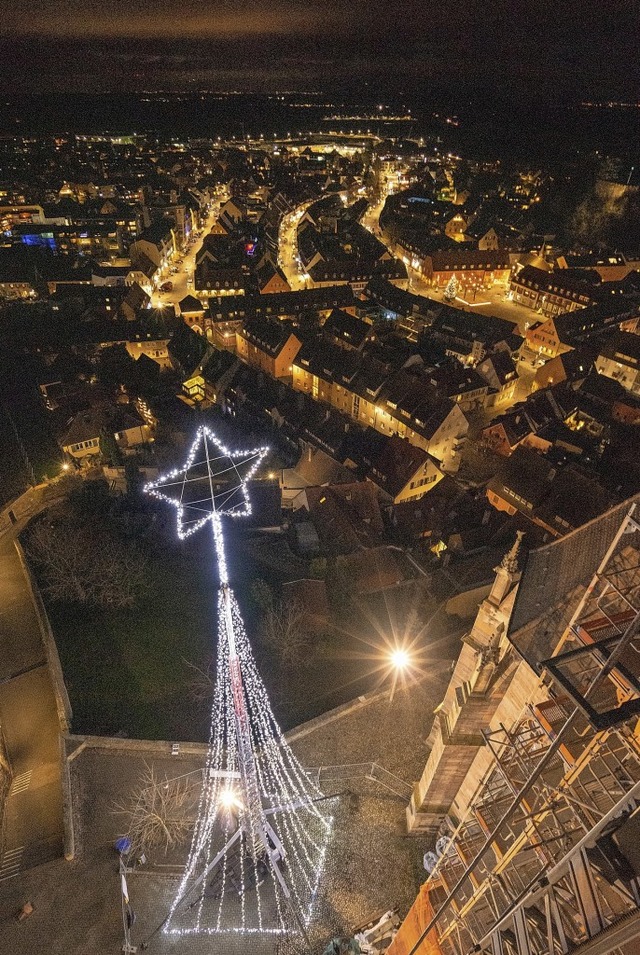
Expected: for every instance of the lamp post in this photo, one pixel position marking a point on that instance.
(123, 847)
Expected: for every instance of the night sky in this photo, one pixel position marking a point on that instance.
(507, 48)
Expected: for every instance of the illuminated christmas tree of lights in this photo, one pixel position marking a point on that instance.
(260, 837)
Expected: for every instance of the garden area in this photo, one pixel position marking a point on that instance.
(137, 643)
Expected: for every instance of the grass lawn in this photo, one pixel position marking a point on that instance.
(127, 669)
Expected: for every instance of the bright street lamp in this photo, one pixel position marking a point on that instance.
(399, 661)
(229, 799)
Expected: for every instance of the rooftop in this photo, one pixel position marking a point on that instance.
(269, 335)
(553, 576)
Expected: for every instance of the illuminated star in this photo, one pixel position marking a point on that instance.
(213, 481)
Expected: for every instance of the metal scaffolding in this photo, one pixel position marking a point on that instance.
(546, 858)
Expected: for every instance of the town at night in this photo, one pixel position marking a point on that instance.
(319, 478)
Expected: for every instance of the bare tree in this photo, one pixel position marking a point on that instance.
(159, 813)
(82, 565)
(202, 682)
(284, 631)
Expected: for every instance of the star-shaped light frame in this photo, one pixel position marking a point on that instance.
(216, 475)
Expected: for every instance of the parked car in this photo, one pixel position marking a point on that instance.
(166, 287)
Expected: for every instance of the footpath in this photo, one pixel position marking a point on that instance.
(32, 831)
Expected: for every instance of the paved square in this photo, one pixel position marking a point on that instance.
(371, 864)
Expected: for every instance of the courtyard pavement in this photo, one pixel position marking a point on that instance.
(371, 864)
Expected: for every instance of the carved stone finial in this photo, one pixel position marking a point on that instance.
(510, 560)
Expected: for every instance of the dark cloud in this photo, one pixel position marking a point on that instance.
(107, 19)
(560, 50)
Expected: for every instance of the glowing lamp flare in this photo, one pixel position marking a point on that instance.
(400, 659)
(229, 799)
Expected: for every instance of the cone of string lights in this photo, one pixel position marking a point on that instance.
(261, 833)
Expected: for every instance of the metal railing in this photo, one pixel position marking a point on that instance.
(323, 775)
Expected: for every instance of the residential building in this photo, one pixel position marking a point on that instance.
(182, 216)
(135, 300)
(569, 366)
(401, 471)
(212, 279)
(17, 276)
(554, 293)
(483, 235)
(577, 327)
(619, 358)
(155, 244)
(399, 403)
(500, 373)
(457, 224)
(544, 338)
(269, 345)
(232, 213)
(356, 273)
(555, 500)
(505, 433)
(523, 483)
(346, 516)
(109, 274)
(222, 330)
(449, 519)
(412, 408)
(156, 349)
(270, 278)
(346, 330)
(463, 385)
(395, 302)
(224, 317)
(470, 267)
(470, 336)
(57, 272)
(84, 431)
(192, 310)
(293, 304)
(610, 266)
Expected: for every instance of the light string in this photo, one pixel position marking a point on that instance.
(259, 841)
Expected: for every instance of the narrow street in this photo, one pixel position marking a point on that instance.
(182, 280)
(288, 248)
